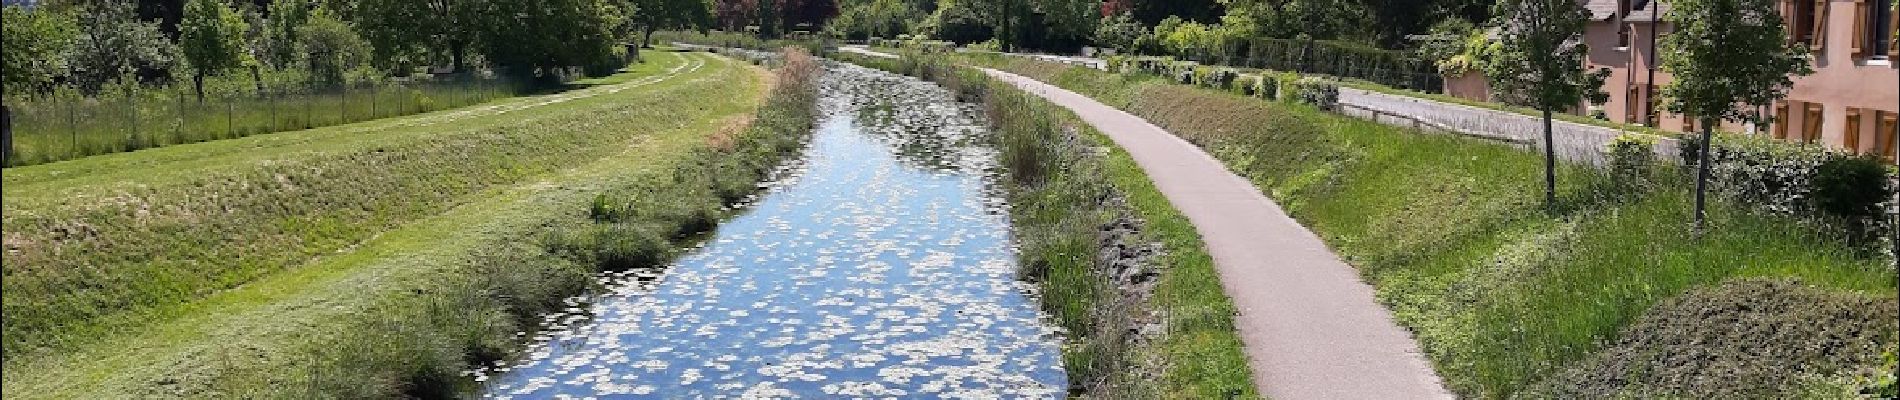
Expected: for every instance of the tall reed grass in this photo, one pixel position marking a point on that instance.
(66, 125)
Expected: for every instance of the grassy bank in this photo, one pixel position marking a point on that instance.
(1122, 272)
(105, 241)
(1509, 300)
(401, 306)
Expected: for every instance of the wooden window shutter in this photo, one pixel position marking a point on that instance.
(1811, 124)
(1893, 41)
(1820, 26)
(1629, 105)
(1858, 46)
(1781, 120)
(1884, 136)
(1851, 142)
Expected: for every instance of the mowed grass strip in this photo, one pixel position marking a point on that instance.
(1453, 234)
(97, 247)
(400, 314)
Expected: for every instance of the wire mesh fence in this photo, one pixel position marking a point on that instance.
(64, 126)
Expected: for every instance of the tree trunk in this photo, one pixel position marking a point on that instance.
(458, 50)
(1702, 176)
(257, 78)
(1550, 165)
(198, 85)
(646, 38)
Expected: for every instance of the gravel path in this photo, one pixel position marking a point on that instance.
(1312, 329)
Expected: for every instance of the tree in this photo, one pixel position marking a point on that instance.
(281, 25)
(34, 45)
(541, 38)
(1539, 62)
(805, 13)
(1119, 32)
(734, 15)
(654, 15)
(1726, 57)
(875, 18)
(1069, 20)
(112, 43)
(403, 31)
(1002, 16)
(334, 48)
(212, 39)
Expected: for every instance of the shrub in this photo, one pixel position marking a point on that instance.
(1630, 158)
(1318, 92)
(1789, 179)
(1853, 189)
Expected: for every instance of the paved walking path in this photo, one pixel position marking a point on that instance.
(860, 49)
(1312, 329)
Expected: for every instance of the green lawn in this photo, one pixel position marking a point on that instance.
(1453, 233)
(331, 259)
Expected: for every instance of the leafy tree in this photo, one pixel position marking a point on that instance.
(1726, 57)
(281, 26)
(1004, 17)
(334, 47)
(806, 13)
(654, 15)
(1151, 12)
(404, 31)
(1315, 19)
(876, 18)
(1539, 62)
(212, 40)
(1119, 32)
(1069, 20)
(34, 45)
(112, 43)
(954, 21)
(542, 38)
(734, 15)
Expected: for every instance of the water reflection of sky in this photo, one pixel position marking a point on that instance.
(884, 269)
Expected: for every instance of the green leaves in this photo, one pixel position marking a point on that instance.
(33, 45)
(212, 37)
(1538, 58)
(1728, 57)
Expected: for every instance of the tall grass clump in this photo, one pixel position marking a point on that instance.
(1503, 295)
(1119, 270)
(417, 345)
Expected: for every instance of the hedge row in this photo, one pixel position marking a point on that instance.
(1269, 85)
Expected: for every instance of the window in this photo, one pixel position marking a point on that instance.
(1806, 21)
(1885, 132)
(1781, 120)
(1811, 123)
(1873, 32)
(1622, 36)
(1851, 136)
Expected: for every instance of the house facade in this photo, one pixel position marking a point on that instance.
(1851, 102)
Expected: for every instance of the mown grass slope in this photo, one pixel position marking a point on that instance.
(1453, 233)
(96, 242)
(413, 272)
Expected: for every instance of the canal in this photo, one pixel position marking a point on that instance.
(881, 266)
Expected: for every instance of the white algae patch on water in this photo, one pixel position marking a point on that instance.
(883, 269)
